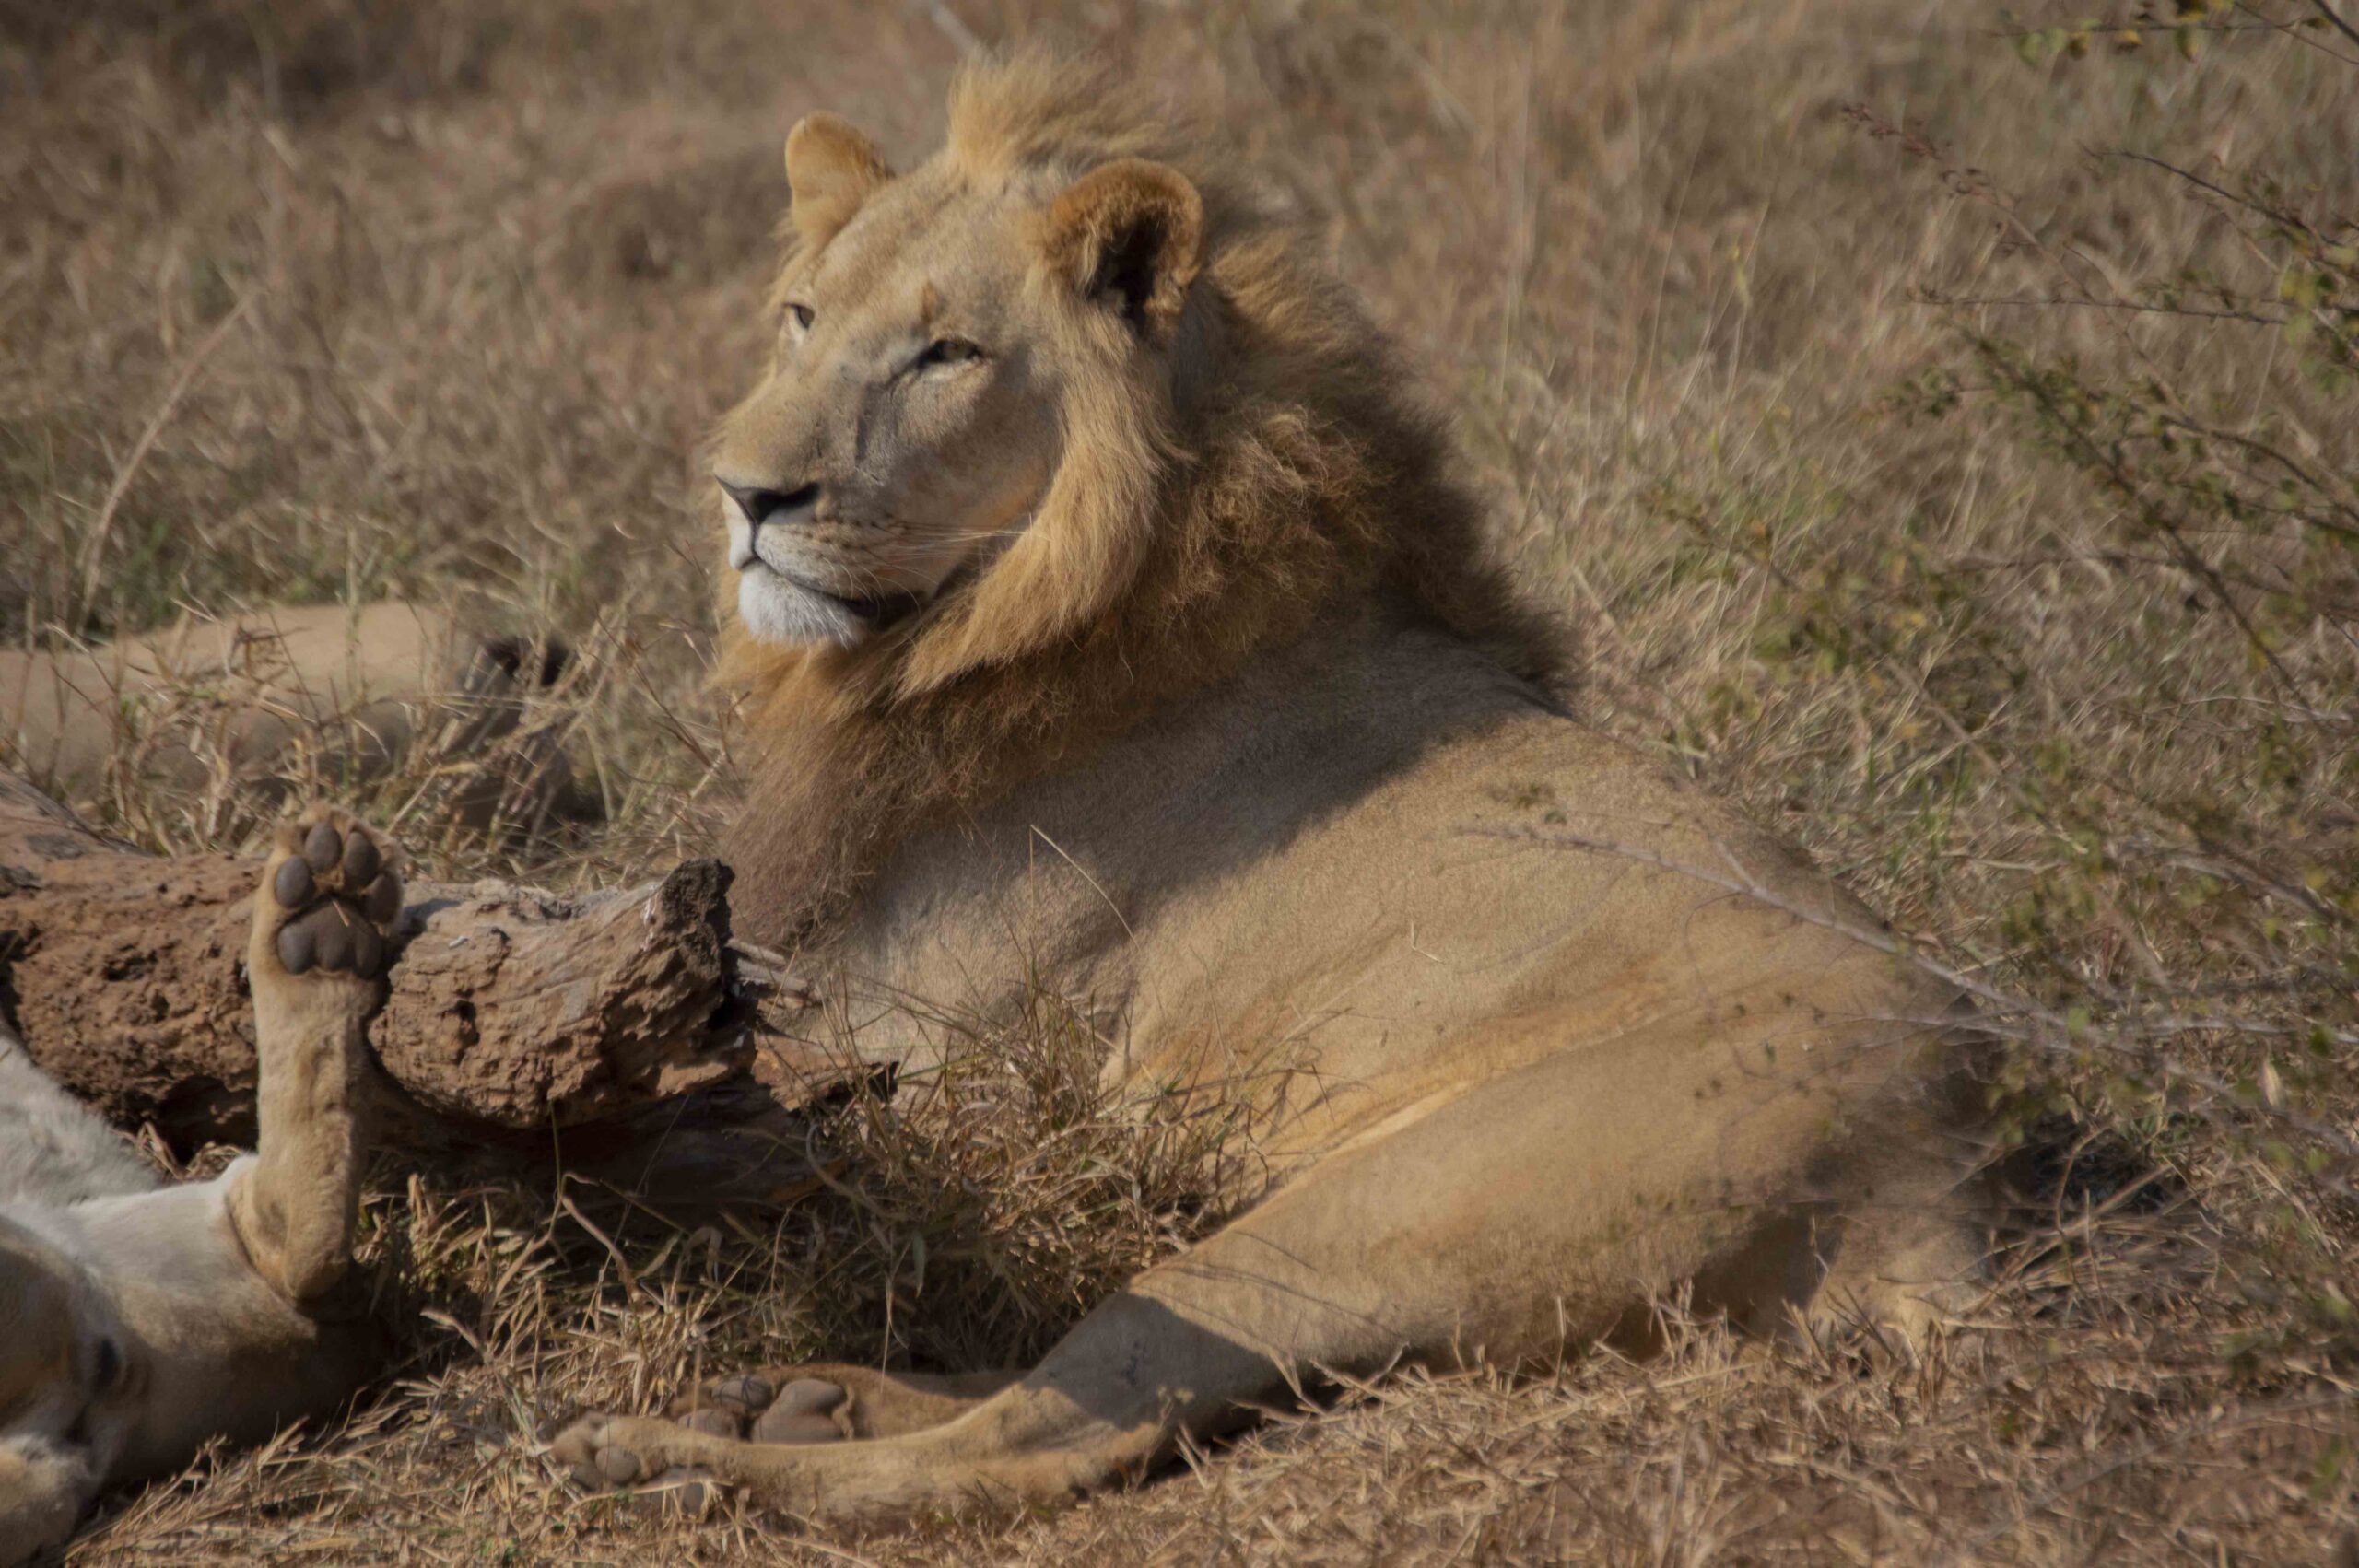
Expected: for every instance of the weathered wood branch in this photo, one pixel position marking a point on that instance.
(508, 1006)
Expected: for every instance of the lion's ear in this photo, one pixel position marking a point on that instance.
(1130, 233)
(831, 169)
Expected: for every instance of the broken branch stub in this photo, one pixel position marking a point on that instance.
(528, 1009)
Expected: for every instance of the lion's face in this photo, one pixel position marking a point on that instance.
(899, 436)
(67, 1385)
(932, 338)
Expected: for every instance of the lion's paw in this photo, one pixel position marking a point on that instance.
(773, 1407)
(609, 1453)
(330, 900)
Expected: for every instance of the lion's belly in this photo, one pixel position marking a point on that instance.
(1358, 1004)
(1519, 888)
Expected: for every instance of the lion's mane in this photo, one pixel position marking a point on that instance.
(1281, 475)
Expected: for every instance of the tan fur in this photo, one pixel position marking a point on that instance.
(137, 1320)
(1235, 737)
(336, 686)
(1212, 495)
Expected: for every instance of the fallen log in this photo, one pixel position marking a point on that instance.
(507, 1006)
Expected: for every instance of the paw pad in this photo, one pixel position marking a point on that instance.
(802, 1413)
(342, 892)
(765, 1409)
(712, 1421)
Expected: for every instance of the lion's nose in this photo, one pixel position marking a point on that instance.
(761, 505)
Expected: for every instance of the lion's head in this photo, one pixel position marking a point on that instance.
(969, 406)
(941, 337)
(67, 1392)
(1061, 424)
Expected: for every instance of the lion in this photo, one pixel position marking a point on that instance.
(139, 1320)
(1111, 623)
(349, 692)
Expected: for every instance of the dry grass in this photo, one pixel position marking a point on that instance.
(489, 269)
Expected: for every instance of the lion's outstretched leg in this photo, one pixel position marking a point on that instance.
(323, 917)
(829, 1401)
(1109, 1397)
(1190, 1345)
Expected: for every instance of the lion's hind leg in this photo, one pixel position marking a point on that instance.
(1909, 1260)
(324, 916)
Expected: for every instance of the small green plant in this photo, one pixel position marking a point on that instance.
(2192, 947)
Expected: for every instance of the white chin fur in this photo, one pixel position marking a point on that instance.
(776, 611)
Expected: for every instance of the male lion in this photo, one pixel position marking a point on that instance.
(1112, 625)
(137, 1320)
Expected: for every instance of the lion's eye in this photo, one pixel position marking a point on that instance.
(948, 351)
(802, 316)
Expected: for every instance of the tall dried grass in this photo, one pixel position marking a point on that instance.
(1823, 360)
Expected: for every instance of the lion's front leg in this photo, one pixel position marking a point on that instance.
(833, 1484)
(822, 1440)
(830, 1401)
